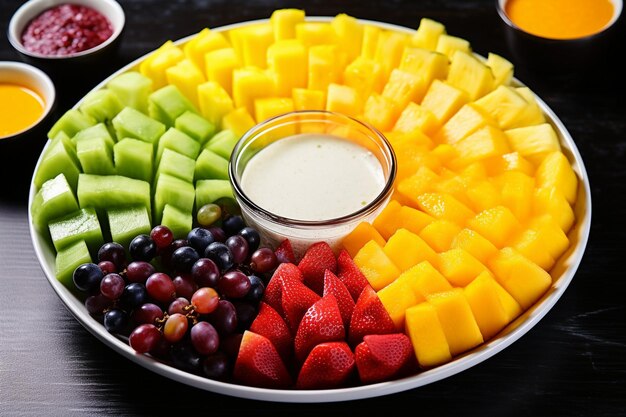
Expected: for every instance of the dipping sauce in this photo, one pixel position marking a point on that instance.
(560, 19)
(66, 29)
(313, 177)
(20, 108)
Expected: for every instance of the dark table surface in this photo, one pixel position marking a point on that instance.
(572, 363)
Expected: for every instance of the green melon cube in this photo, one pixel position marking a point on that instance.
(54, 199)
(223, 143)
(71, 122)
(210, 191)
(167, 103)
(58, 158)
(179, 221)
(177, 141)
(210, 165)
(172, 190)
(132, 88)
(95, 156)
(96, 131)
(133, 159)
(103, 105)
(104, 192)
(127, 222)
(195, 126)
(132, 123)
(82, 224)
(177, 165)
(68, 259)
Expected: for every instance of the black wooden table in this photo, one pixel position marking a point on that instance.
(573, 363)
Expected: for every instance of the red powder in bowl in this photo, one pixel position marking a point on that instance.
(66, 29)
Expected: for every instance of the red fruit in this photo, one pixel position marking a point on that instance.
(296, 300)
(284, 252)
(270, 324)
(316, 260)
(350, 274)
(369, 317)
(332, 285)
(329, 365)
(273, 291)
(321, 323)
(382, 357)
(258, 363)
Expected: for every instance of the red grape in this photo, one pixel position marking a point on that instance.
(147, 313)
(178, 306)
(112, 286)
(139, 271)
(263, 260)
(162, 236)
(160, 287)
(144, 338)
(204, 338)
(175, 327)
(185, 285)
(205, 300)
(234, 284)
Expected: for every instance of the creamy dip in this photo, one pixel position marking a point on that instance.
(313, 177)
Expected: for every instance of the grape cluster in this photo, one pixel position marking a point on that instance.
(185, 301)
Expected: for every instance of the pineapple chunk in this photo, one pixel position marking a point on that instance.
(214, 102)
(403, 87)
(415, 117)
(497, 224)
(427, 336)
(348, 34)
(466, 121)
(370, 41)
(444, 100)
(534, 141)
(448, 45)
(471, 75)
(380, 112)
(484, 143)
(203, 43)
(439, 234)
(253, 42)
(239, 121)
(511, 161)
(288, 61)
(359, 236)
(556, 171)
(459, 267)
(483, 296)
(250, 83)
(364, 75)
(505, 105)
(376, 265)
(284, 22)
(220, 65)
(155, 65)
(325, 66)
(474, 244)
(517, 191)
(501, 68)
(532, 114)
(305, 99)
(315, 33)
(406, 249)
(427, 34)
(389, 50)
(265, 108)
(186, 76)
(343, 99)
(428, 64)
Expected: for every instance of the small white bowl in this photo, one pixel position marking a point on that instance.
(33, 78)
(111, 9)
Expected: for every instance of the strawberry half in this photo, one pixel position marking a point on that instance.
(259, 364)
(284, 252)
(296, 300)
(350, 274)
(316, 260)
(369, 317)
(273, 291)
(382, 357)
(270, 324)
(321, 323)
(329, 365)
(332, 285)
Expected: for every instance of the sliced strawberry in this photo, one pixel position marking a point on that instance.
(332, 285)
(369, 317)
(350, 274)
(329, 365)
(273, 291)
(258, 363)
(382, 357)
(321, 323)
(270, 324)
(296, 300)
(284, 252)
(317, 258)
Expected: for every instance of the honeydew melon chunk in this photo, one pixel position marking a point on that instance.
(96, 131)
(195, 126)
(132, 88)
(68, 259)
(134, 124)
(59, 158)
(95, 156)
(103, 105)
(223, 143)
(104, 192)
(172, 190)
(210, 165)
(178, 221)
(167, 103)
(177, 165)
(54, 199)
(177, 141)
(127, 222)
(71, 122)
(134, 159)
(79, 225)
(210, 191)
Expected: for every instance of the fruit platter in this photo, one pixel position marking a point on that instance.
(138, 230)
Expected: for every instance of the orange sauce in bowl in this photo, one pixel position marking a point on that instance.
(20, 108)
(560, 19)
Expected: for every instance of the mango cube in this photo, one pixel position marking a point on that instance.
(376, 265)
(406, 249)
(497, 224)
(397, 297)
(555, 171)
(420, 182)
(265, 108)
(348, 34)
(439, 234)
(424, 280)
(359, 236)
(517, 192)
(445, 207)
(252, 43)
(459, 267)
(284, 22)
(325, 66)
(483, 195)
(484, 300)
(534, 141)
(155, 65)
(204, 42)
(315, 33)
(305, 99)
(473, 243)
(371, 34)
(543, 242)
(427, 336)
(238, 121)
(380, 112)
(551, 201)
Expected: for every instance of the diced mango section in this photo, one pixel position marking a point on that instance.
(284, 22)
(473, 243)
(556, 172)
(427, 336)
(424, 280)
(444, 206)
(484, 299)
(397, 297)
(551, 201)
(497, 224)
(406, 249)
(439, 234)
(543, 242)
(376, 265)
(359, 236)
(459, 267)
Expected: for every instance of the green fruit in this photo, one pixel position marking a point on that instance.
(195, 126)
(127, 222)
(72, 122)
(171, 190)
(179, 221)
(177, 141)
(68, 259)
(223, 143)
(95, 155)
(54, 199)
(210, 165)
(58, 158)
(177, 165)
(134, 159)
(131, 123)
(132, 89)
(79, 225)
(210, 191)
(167, 103)
(104, 192)
(103, 105)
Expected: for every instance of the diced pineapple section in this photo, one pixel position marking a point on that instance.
(469, 74)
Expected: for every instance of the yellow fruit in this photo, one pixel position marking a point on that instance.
(459, 267)
(543, 242)
(504, 104)
(466, 121)
(469, 74)
(380, 112)
(483, 297)
(523, 279)
(448, 45)
(364, 75)
(397, 297)
(388, 221)
(220, 65)
(417, 184)
(288, 61)
(315, 33)
(501, 68)
(532, 114)
(497, 224)
(428, 64)
(343, 99)
(483, 195)
(203, 43)
(239, 121)
(376, 265)
(555, 171)
(403, 88)
(474, 244)
(427, 336)
(413, 220)
(253, 42)
(511, 161)
(186, 76)
(250, 83)
(155, 65)
(406, 249)
(265, 108)
(443, 100)
(425, 280)
(414, 117)
(427, 34)
(214, 102)
(517, 191)
(284, 22)
(370, 41)
(457, 320)
(486, 142)
(325, 66)
(389, 50)
(439, 234)
(357, 238)
(305, 99)
(551, 201)
(533, 141)
(348, 34)
(445, 207)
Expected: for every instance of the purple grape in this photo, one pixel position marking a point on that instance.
(115, 320)
(185, 357)
(205, 273)
(263, 260)
(183, 259)
(257, 289)
(96, 304)
(252, 237)
(216, 366)
(139, 271)
(147, 313)
(185, 285)
(142, 248)
(218, 233)
(204, 338)
(233, 224)
(199, 238)
(160, 287)
(134, 295)
(87, 277)
(246, 313)
(238, 247)
(112, 286)
(224, 317)
(114, 252)
(234, 284)
(179, 306)
(220, 254)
